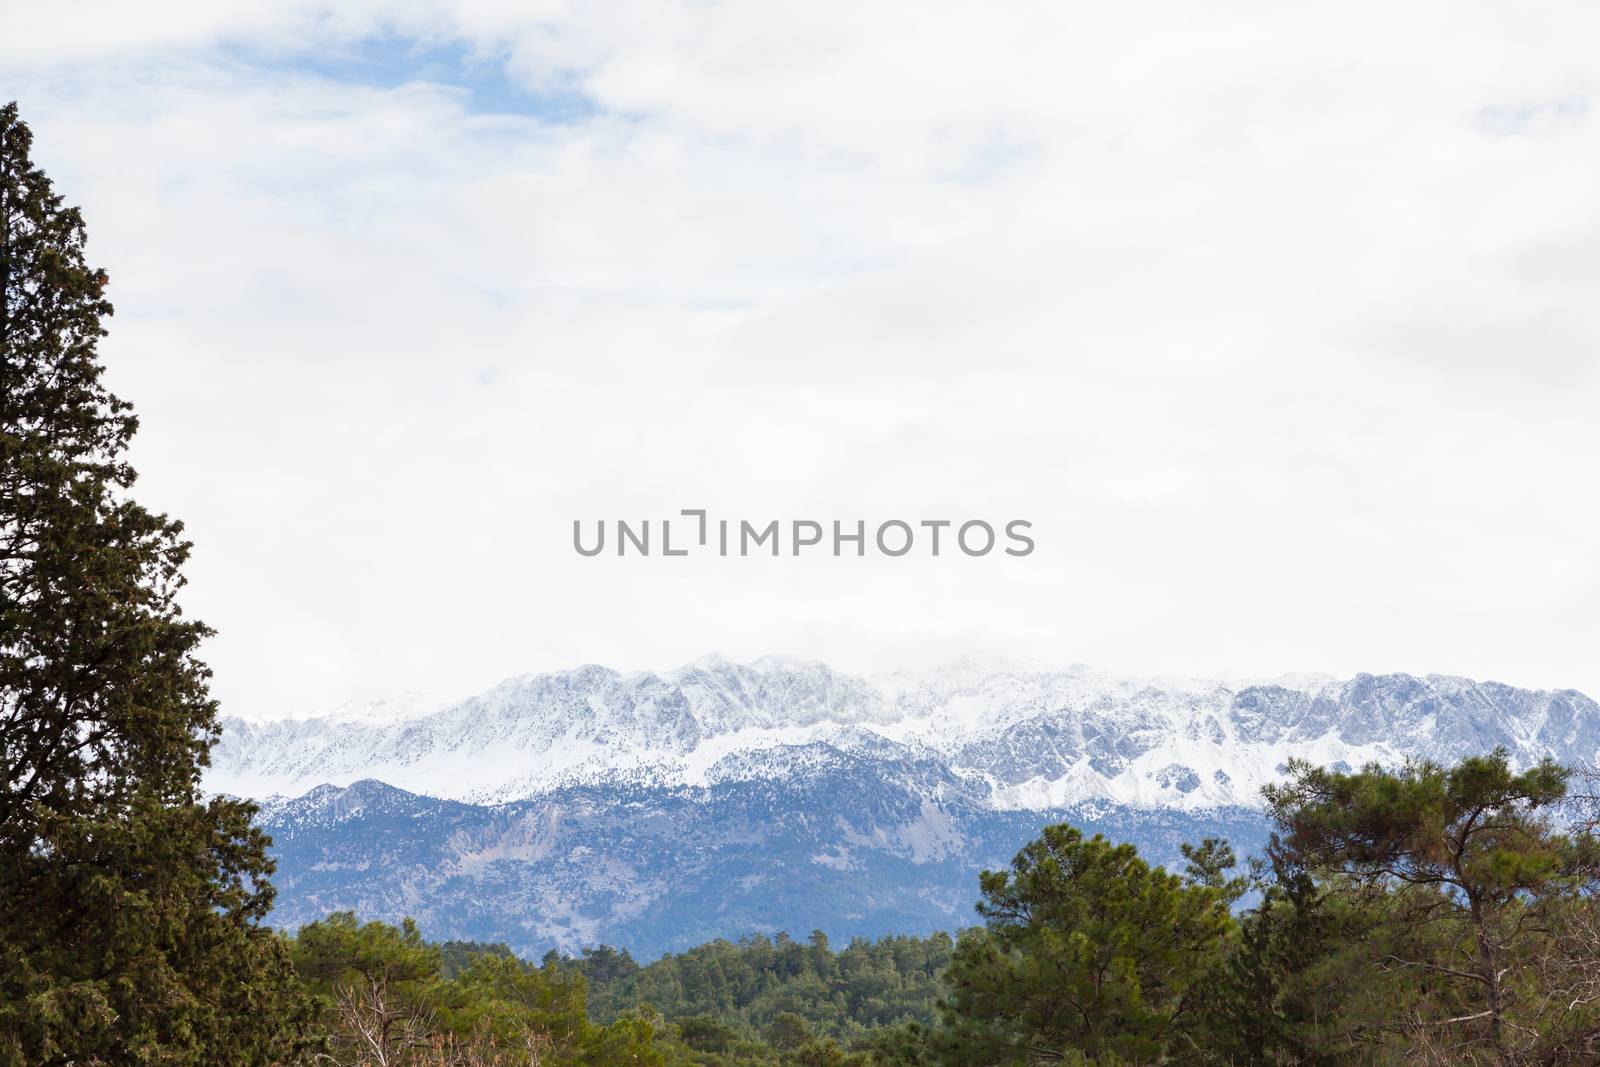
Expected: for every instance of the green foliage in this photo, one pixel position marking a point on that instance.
(787, 1031)
(385, 996)
(824, 1053)
(1285, 992)
(504, 997)
(130, 905)
(1472, 868)
(1476, 831)
(846, 995)
(455, 956)
(1208, 864)
(1087, 950)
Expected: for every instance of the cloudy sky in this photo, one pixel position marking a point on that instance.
(1279, 322)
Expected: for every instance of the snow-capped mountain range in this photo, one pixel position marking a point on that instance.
(659, 811)
(1020, 737)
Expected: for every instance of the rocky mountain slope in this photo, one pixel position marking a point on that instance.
(836, 847)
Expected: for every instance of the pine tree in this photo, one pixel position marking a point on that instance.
(1088, 955)
(1475, 848)
(130, 904)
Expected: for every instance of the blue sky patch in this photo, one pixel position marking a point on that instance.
(388, 61)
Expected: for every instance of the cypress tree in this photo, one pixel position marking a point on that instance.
(130, 903)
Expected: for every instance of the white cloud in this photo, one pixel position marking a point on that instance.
(1276, 321)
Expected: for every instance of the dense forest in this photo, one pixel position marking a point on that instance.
(1420, 915)
(849, 996)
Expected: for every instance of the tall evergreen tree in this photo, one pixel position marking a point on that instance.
(129, 903)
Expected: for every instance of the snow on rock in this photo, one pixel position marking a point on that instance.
(1023, 735)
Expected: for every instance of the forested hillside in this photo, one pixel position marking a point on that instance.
(847, 994)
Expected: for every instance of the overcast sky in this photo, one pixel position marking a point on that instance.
(1279, 322)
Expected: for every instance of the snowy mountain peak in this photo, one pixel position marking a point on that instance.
(1025, 735)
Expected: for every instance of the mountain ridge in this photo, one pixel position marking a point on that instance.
(1025, 736)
